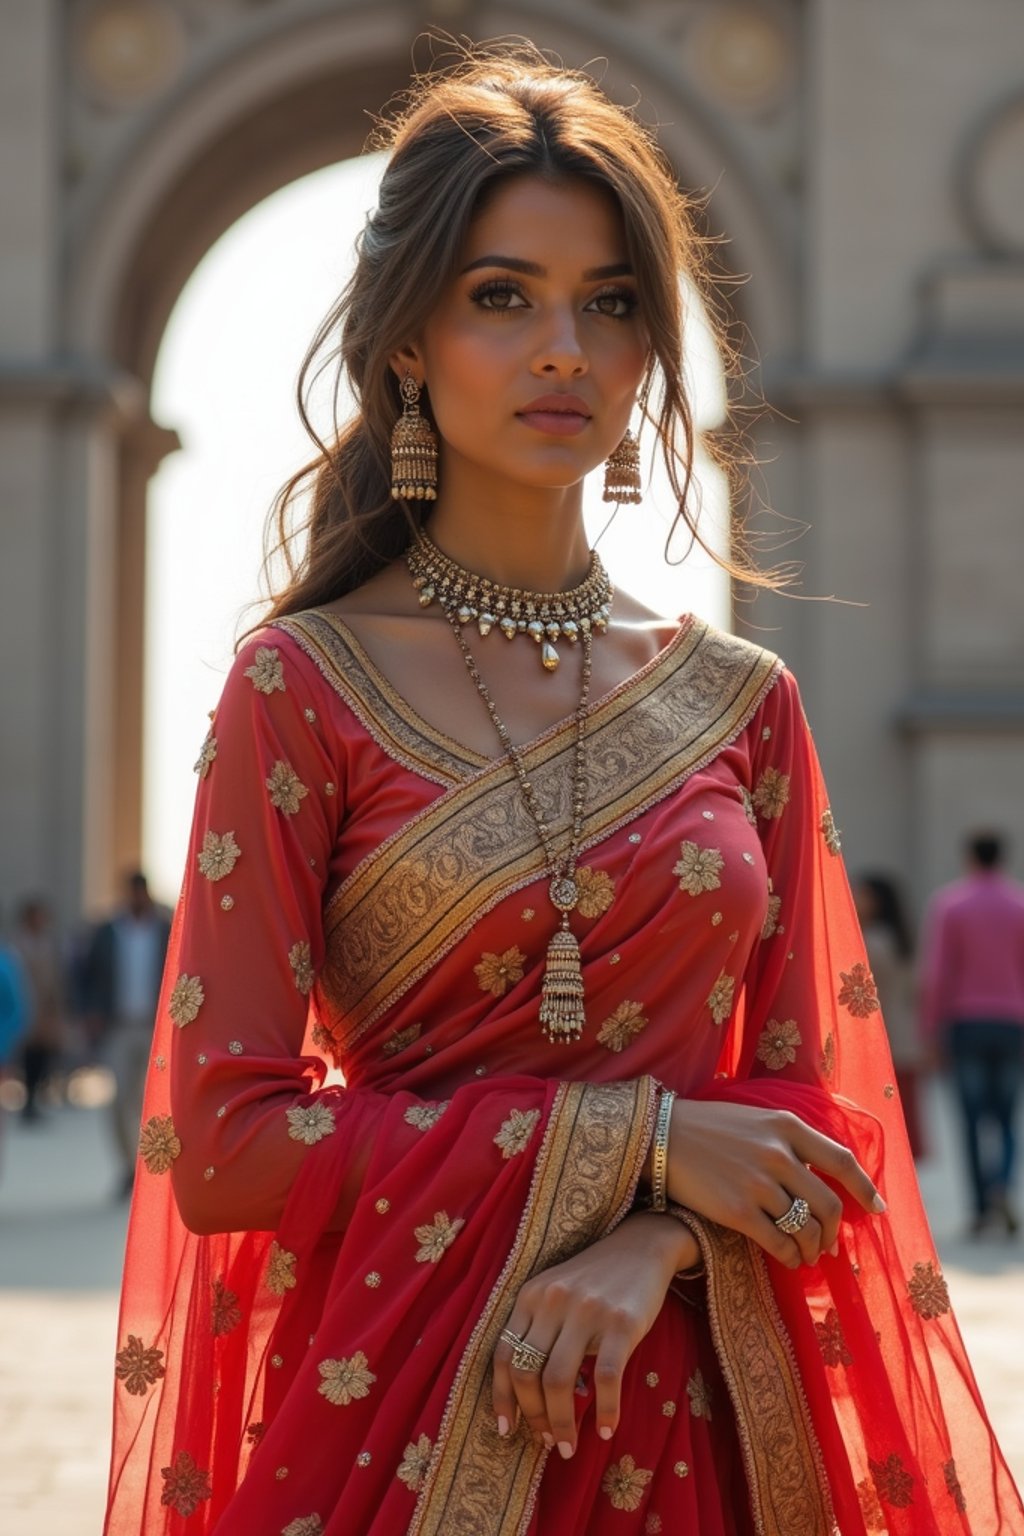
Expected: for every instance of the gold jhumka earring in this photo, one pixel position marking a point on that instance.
(413, 449)
(622, 472)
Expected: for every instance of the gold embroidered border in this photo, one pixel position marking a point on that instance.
(394, 726)
(583, 1183)
(788, 1485)
(416, 895)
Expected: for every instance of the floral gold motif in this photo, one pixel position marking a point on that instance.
(423, 1116)
(219, 855)
(138, 1367)
(267, 671)
(771, 920)
(698, 869)
(953, 1487)
(287, 790)
(748, 804)
(929, 1294)
(621, 1026)
(830, 1337)
(771, 793)
(830, 832)
(720, 998)
(624, 1483)
(401, 1039)
(516, 1131)
(207, 753)
(827, 1060)
(185, 1486)
(413, 1467)
(893, 1483)
(187, 997)
(858, 992)
(310, 1123)
(345, 1380)
(436, 1237)
(777, 1044)
(301, 962)
(225, 1312)
(596, 891)
(305, 1525)
(871, 1510)
(496, 973)
(699, 1393)
(653, 1525)
(159, 1144)
(280, 1276)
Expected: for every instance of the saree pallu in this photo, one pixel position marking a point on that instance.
(350, 1075)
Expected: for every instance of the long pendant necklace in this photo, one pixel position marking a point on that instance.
(562, 1013)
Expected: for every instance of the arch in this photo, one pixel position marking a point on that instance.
(294, 95)
(297, 95)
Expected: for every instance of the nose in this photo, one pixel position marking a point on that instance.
(559, 353)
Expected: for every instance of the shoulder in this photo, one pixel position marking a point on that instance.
(758, 673)
(276, 664)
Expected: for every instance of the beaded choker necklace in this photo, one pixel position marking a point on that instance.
(545, 616)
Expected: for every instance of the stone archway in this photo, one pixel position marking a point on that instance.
(291, 102)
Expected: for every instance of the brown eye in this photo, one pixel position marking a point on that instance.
(498, 297)
(617, 303)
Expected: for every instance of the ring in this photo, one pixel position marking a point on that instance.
(795, 1219)
(524, 1356)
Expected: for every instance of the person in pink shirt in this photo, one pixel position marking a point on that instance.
(972, 1013)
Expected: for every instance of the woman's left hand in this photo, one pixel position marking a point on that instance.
(600, 1302)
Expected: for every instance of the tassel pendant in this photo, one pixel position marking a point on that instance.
(561, 998)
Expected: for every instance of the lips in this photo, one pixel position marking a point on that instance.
(556, 405)
(556, 415)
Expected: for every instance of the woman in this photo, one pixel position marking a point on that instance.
(442, 1298)
(889, 950)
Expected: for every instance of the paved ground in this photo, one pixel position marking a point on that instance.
(61, 1239)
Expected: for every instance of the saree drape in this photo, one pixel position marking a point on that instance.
(350, 1077)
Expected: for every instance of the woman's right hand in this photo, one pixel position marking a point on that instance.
(743, 1167)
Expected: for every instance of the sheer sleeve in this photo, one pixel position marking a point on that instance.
(896, 1412)
(250, 941)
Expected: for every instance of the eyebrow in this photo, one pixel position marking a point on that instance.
(534, 269)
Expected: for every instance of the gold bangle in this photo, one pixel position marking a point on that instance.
(659, 1151)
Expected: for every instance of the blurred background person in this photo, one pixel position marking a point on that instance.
(15, 1009)
(888, 941)
(122, 984)
(972, 1013)
(35, 941)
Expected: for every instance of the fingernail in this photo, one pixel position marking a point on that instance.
(834, 1250)
(564, 1449)
(549, 1440)
(502, 1424)
(878, 1205)
(605, 1431)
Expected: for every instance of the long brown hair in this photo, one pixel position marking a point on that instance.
(499, 110)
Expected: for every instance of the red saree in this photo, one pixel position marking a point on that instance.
(364, 894)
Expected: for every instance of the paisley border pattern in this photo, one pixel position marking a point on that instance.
(788, 1485)
(584, 1182)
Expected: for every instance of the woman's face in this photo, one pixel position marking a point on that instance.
(534, 355)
